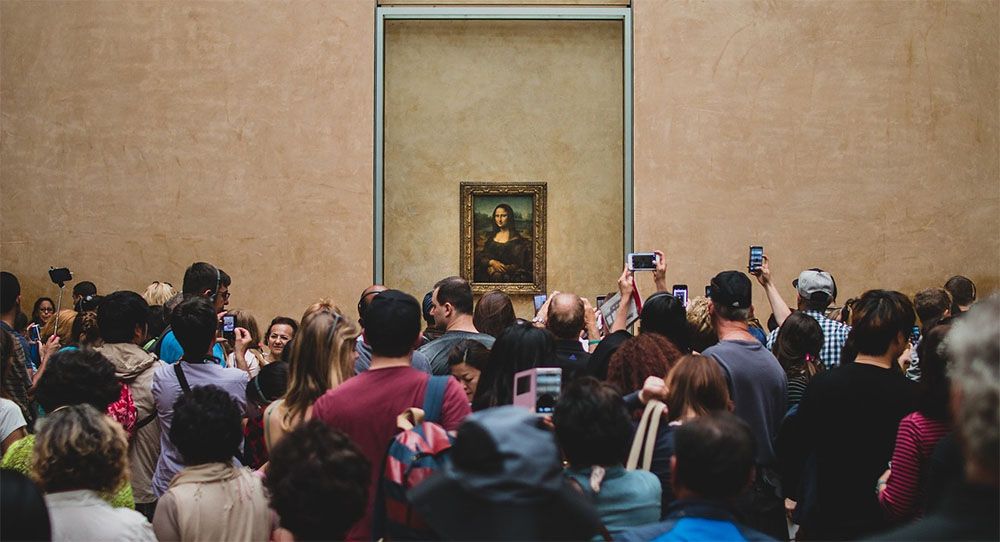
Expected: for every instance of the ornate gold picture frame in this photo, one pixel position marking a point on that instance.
(502, 235)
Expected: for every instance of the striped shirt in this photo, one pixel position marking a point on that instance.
(902, 499)
(834, 336)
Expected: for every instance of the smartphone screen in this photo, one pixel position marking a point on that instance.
(915, 335)
(548, 384)
(539, 301)
(33, 333)
(756, 258)
(228, 324)
(681, 292)
(642, 261)
(708, 291)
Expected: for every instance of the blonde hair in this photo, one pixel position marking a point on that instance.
(700, 323)
(65, 318)
(78, 447)
(158, 293)
(322, 357)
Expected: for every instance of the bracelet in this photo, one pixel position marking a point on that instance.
(592, 342)
(879, 486)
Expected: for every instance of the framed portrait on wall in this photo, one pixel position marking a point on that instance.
(503, 237)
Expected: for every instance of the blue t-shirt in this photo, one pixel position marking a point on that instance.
(171, 351)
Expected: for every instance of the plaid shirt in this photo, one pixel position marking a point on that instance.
(834, 336)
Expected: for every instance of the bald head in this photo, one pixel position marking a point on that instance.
(366, 298)
(565, 318)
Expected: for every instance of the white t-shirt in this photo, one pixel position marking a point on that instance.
(250, 358)
(11, 418)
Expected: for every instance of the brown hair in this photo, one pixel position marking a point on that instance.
(246, 321)
(493, 313)
(798, 345)
(78, 447)
(931, 305)
(322, 357)
(645, 355)
(696, 383)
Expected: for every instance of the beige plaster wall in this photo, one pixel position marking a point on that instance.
(503, 101)
(860, 137)
(138, 137)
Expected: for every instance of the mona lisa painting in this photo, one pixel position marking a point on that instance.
(503, 237)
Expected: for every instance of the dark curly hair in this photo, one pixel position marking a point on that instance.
(206, 426)
(78, 447)
(642, 356)
(75, 377)
(318, 482)
(592, 425)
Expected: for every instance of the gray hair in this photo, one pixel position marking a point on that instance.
(974, 346)
(731, 314)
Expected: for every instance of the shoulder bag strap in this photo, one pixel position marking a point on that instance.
(640, 433)
(434, 397)
(181, 379)
(654, 426)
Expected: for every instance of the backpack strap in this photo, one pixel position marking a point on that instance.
(434, 397)
(144, 422)
(181, 379)
(155, 347)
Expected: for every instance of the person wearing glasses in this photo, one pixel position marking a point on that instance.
(211, 283)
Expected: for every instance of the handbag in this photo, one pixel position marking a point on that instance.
(645, 436)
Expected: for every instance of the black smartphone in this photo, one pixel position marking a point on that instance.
(756, 258)
(681, 292)
(60, 276)
(539, 301)
(600, 300)
(708, 291)
(229, 328)
(915, 335)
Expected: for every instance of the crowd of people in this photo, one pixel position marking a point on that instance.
(166, 415)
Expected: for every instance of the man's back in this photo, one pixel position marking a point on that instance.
(365, 407)
(572, 358)
(437, 350)
(166, 391)
(848, 419)
(757, 384)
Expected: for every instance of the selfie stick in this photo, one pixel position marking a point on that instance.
(55, 328)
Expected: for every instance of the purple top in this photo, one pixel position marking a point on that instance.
(166, 391)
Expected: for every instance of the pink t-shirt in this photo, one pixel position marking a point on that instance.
(365, 408)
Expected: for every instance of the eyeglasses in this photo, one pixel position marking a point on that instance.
(225, 295)
(47, 309)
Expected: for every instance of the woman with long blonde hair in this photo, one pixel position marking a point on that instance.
(322, 357)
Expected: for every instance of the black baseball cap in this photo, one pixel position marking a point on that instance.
(732, 289)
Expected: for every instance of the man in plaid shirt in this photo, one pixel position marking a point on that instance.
(816, 292)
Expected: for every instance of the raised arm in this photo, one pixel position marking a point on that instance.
(778, 306)
(626, 283)
(660, 273)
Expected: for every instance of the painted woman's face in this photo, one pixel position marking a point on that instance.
(500, 217)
